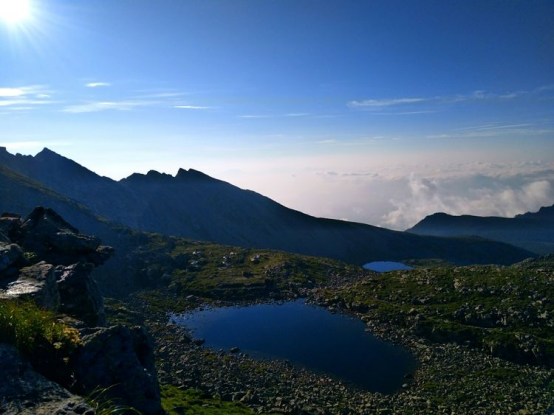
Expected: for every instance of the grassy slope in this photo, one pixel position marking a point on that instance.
(504, 310)
(195, 402)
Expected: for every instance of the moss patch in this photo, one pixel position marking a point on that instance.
(195, 402)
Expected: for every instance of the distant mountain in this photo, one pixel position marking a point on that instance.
(533, 231)
(19, 193)
(196, 206)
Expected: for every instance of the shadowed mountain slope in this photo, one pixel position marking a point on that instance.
(194, 205)
(533, 231)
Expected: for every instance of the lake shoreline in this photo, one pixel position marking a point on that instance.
(307, 335)
(272, 386)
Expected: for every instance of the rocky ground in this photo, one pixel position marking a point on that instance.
(483, 335)
(504, 310)
(56, 352)
(450, 379)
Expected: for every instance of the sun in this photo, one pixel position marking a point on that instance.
(14, 11)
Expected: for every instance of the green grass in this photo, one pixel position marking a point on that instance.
(504, 310)
(195, 402)
(103, 404)
(216, 272)
(47, 343)
(31, 329)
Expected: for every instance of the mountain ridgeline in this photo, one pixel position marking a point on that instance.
(532, 231)
(196, 206)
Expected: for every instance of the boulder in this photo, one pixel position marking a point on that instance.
(10, 224)
(71, 243)
(121, 358)
(80, 296)
(37, 282)
(24, 391)
(100, 255)
(53, 239)
(46, 233)
(4, 239)
(10, 255)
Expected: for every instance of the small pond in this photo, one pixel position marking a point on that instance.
(308, 336)
(386, 266)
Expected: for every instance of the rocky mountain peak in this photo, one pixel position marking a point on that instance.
(192, 174)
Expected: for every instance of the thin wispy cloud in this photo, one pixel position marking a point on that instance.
(164, 95)
(404, 113)
(357, 142)
(11, 92)
(385, 102)
(476, 96)
(192, 107)
(493, 130)
(24, 102)
(97, 84)
(94, 107)
(24, 98)
(275, 115)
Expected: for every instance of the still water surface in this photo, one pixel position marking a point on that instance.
(386, 266)
(308, 336)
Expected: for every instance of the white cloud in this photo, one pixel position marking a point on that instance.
(17, 98)
(469, 195)
(11, 92)
(97, 84)
(275, 115)
(477, 95)
(255, 116)
(389, 195)
(94, 107)
(24, 102)
(493, 130)
(385, 102)
(192, 107)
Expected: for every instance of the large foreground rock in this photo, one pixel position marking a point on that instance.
(24, 391)
(37, 283)
(79, 294)
(120, 357)
(10, 255)
(4, 239)
(9, 224)
(48, 235)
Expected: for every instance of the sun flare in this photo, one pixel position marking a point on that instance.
(14, 11)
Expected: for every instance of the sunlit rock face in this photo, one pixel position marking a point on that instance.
(46, 260)
(36, 283)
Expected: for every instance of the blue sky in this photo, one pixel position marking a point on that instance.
(274, 95)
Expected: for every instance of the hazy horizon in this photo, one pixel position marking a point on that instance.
(375, 112)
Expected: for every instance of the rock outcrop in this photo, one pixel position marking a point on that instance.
(45, 260)
(64, 259)
(37, 283)
(10, 254)
(24, 391)
(49, 236)
(79, 294)
(122, 358)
